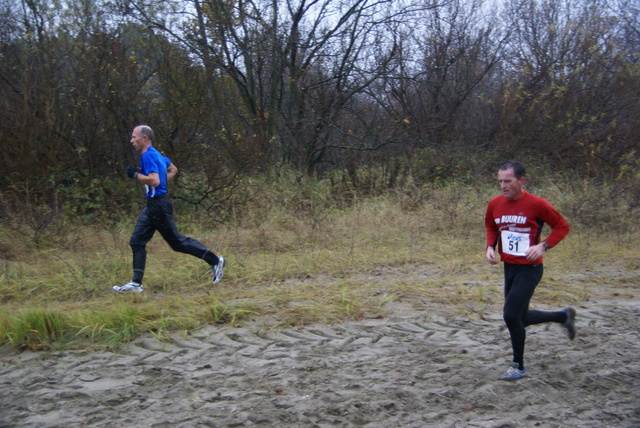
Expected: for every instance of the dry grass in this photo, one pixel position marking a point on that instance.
(297, 255)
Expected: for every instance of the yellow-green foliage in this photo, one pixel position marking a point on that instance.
(35, 328)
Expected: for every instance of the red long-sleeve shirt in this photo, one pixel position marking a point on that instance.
(517, 224)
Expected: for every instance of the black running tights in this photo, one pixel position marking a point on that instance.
(520, 281)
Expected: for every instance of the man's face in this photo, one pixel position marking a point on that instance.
(510, 185)
(137, 139)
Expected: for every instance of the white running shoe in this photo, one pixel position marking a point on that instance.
(513, 373)
(129, 287)
(218, 270)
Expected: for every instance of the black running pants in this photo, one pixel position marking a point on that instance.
(520, 281)
(158, 215)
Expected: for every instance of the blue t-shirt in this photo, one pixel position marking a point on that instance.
(153, 161)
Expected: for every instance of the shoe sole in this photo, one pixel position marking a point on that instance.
(218, 279)
(511, 378)
(118, 290)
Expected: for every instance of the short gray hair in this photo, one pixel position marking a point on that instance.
(146, 130)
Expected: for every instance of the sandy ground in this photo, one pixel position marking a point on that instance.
(413, 368)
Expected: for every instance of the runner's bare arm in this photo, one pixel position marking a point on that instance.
(172, 170)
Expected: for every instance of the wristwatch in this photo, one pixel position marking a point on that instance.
(545, 245)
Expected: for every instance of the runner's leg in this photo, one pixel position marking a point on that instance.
(169, 231)
(520, 283)
(142, 234)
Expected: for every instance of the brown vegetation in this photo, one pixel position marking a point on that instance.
(242, 88)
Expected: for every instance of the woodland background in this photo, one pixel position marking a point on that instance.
(415, 89)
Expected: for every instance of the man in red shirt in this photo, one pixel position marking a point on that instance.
(514, 220)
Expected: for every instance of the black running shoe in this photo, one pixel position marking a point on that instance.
(569, 324)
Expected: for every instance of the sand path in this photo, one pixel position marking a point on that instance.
(411, 369)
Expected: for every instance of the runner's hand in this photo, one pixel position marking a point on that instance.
(534, 253)
(491, 255)
(132, 171)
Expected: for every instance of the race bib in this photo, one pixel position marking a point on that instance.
(514, 243)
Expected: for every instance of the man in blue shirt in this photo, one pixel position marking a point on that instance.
(155, 171)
